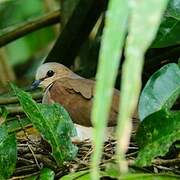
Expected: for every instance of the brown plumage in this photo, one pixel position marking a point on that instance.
(71, 91)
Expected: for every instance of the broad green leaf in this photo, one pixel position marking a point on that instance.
(53, 122)
(81, 175)
(32, 178)
(84, 175)
(161, 90)
(156, 134)
(109, 59)
(160, 127)
(47, 174)
(168, 33)
(137, 175)
(111, 170)
(150, 177)
(173, 9)
(8, 153)
(144, 21)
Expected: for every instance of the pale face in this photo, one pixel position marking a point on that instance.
(49, 72)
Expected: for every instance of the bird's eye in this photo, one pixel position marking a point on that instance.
(50, 73)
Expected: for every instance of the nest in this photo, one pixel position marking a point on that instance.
(33, 156)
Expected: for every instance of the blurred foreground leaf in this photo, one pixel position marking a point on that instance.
(144, 15)
(53, 122)
(84, 175)
(81, 175)
(150, 177)
(161, 90)
(109, 59)
(8, 153)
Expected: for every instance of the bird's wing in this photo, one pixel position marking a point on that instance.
(75, 95)
(82, 86)
(86, 88)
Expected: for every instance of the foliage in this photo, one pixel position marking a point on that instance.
(156, 134)
(168, 34)
(157, 93)
(8, 153)
(160, 126)
(138, 41)
(107, 71)
(54, 124)
(47, 174)
(81, 175)
(139, 20)
(21, 50)
(85, 175)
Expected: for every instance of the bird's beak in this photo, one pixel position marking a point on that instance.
(35, 84)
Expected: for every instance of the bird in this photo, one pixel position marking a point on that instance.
(73, 92)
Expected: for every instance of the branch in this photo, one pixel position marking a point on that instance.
(34, 24)
(13, 99)
(167, 162)
(76, 31)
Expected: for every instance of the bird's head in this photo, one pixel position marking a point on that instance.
(48, 73)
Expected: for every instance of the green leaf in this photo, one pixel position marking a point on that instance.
(168, 33)
(115, 174)
(144, 21)
(111, 170)
(160, 126)
(109, 59)
(81, 175)
(84, 175)
(147, 176)
(161, 90)
(53, 122)
(8, 153)
(173, 9)
(47, 174)
(13, 124)
(35, 177)
(3, 115)
(156, 134)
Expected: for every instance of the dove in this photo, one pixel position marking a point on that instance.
(73, 92)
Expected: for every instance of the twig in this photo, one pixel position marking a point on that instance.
(88, 153)
(37, 163)
(32, 25)
(46, 161)
(29, 146)
(14, 109)
(25, 169)
(43, 159)
(131, 154)
(25, 161)
(13, 99)
(164, 168)
(161, 162)
(166, 162)
(24, 176)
